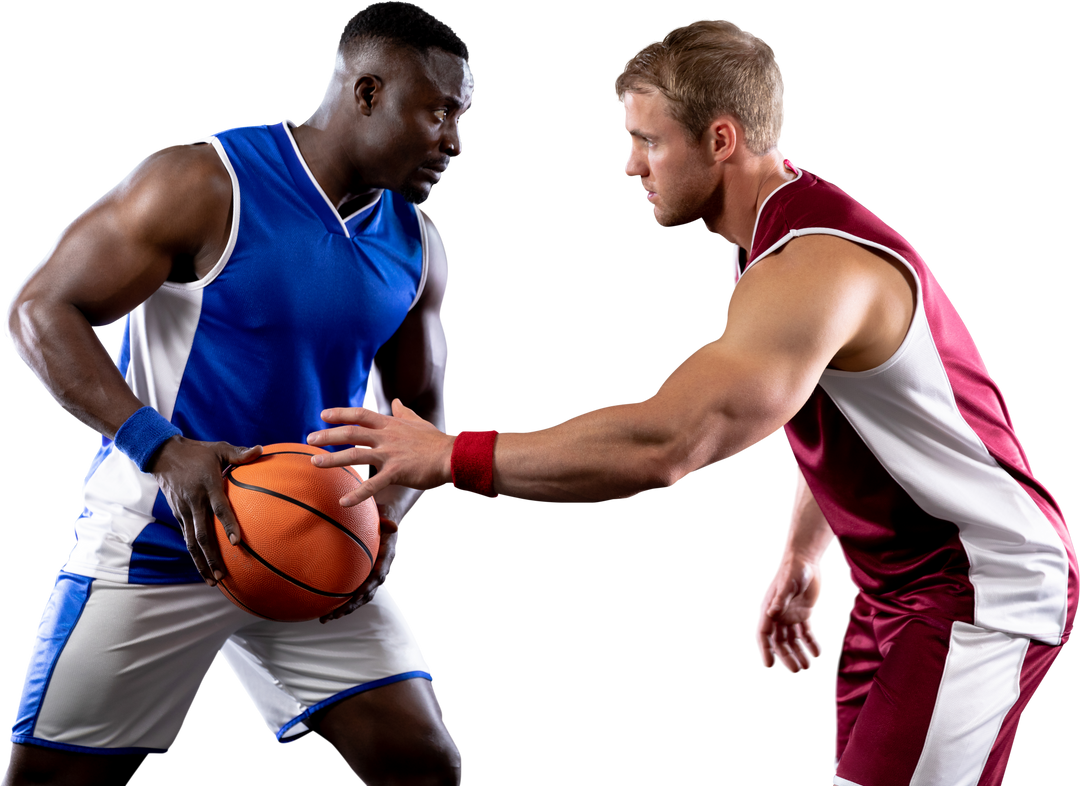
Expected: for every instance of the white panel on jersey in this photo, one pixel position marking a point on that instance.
(119, 499)
(906, 413)
(979, 686)
(162, 333)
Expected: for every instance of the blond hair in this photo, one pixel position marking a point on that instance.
(709, 69)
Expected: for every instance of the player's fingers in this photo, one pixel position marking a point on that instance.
(344, 458)
(344, 435)
(797, 656)
(187, 527)
(403, 412)
(359, 415)
(807, 636)
(795, 648)
(215, 506)
(231, 454)
(220, 509)
(782, 648)
(228, 455)
(765, 648)
(369, 488)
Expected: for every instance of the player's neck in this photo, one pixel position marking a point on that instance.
(746, 186)
(330, 163)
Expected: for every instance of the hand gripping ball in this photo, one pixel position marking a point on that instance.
(301, 555)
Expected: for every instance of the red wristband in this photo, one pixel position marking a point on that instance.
(472, 462)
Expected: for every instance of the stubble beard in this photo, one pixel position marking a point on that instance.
(415, 194)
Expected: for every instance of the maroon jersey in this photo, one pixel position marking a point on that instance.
(915, 463)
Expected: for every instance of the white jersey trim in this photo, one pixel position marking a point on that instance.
(234, 226)
(375, 197)
(434, 248)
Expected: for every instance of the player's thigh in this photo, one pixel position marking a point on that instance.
(393, 734)
(936, 706)
(115, 666)
(294, 671)
(859, 661)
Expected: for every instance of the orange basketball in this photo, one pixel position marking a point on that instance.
(301, 555)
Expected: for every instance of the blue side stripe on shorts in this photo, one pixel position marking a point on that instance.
(408, 675)
(63, 610)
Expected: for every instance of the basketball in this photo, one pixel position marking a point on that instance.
(301, 555)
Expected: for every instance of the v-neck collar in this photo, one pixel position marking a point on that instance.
(309, 188)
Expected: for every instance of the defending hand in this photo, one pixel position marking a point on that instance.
(406, 449)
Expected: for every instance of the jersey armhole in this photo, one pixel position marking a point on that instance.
(421, 219)
(234, 228)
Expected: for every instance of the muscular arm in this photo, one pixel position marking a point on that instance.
(820, 300)
(168, 220)
(169, 213)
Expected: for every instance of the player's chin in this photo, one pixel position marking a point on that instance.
(416, 192)
(668, 218)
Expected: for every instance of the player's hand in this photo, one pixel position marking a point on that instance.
(405, 449)
(189, 472)
(388, 532)
(784, 631)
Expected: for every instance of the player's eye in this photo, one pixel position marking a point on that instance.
(441, 114)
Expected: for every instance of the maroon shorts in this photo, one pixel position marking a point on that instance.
(926, 700)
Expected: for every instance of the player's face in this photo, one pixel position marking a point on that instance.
(678, 174)
(417, 123)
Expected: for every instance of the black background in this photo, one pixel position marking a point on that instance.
(577, 645)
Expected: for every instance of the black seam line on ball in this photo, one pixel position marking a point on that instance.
(291, 579)
(322, 515)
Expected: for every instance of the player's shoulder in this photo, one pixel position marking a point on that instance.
(181, 184)
(183, 169)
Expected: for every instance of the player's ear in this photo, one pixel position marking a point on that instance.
(722, 135)
(366, 90)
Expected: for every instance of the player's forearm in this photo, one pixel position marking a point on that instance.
(607, 454)
(60, 346)
(810, 533)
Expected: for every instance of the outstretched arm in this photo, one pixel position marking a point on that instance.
(784, 631)
(820, 300)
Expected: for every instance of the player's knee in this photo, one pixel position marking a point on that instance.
(430, 760)
(443, 767)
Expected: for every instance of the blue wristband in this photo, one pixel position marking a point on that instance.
(142, 434)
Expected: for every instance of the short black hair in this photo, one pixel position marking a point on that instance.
(403, 24)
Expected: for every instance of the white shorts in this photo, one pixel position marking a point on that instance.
(116, 666)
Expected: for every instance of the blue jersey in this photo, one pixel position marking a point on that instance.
(285, 325)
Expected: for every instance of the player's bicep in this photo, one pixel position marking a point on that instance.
(783, 329)
(793, 312)
(100, 267)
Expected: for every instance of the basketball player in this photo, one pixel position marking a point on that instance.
(838, 332)
(262, 273)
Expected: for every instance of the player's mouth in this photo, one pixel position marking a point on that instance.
(433, 169)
